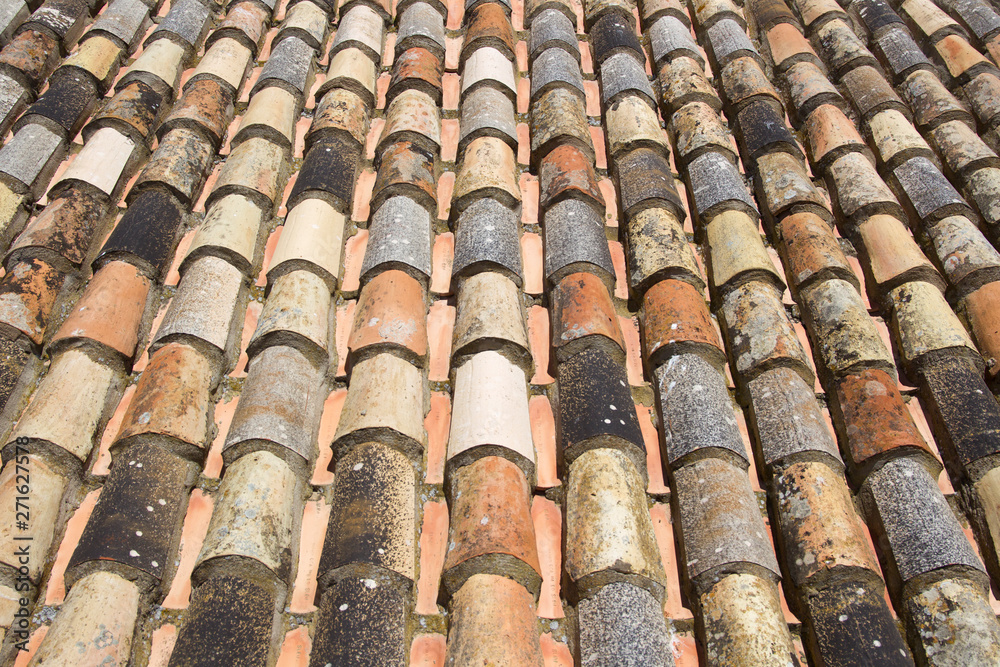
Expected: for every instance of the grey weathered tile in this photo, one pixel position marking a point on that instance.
(185, 23)
(730, 41)
(555, 68)
(622, 74)
(30, 158)
(124, 20)
(360, 27)
(623, 623)
(954, 621)
(551, 29)
(486, 112)
(614, 33)
(644, 180)
(399, 237)
(928, 192)
(420, 25)
(291, 66)
(486, 239)
(716, 186)
(574, 241)
(900, 54)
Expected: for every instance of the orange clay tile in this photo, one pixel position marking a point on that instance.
(581, 310)
(675, 317)
(390, 314)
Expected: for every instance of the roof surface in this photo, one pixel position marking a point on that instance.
(512, 333)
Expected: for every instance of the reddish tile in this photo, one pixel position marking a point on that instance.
(446, 186)
(651, 439)
(433, 540)
(224, 411)
(449, 139)
(253, 311)
(295, 649)
(663, 529)
(272, 243)
(102, 463)
(192, 535)
(555, 654)
(523, 143)
(450, 85)
(531, 257)
(633, 356)
(162, 645)
(618, 259)
(539, 339)
(437, 423)
(440, 324)
(345, 316)
(428, 651)
(354, 255)
(55, 592)
(390, 313)
(547, 519)
(363, 195)
(443, 258)
(315, 517)
(600, 148)
(610, 202)
(543, 433)
(529, 198)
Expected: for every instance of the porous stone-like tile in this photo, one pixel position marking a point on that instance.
(478, 634)
(419, 69)
(962, 149)
(983, 189)
(583, 316)
(596, 409)
(670, 38)
(931, 102)
(359, 607)
(412, 116)
(832, 135)
(851, 623)
(206, 106)
(845, 335)
(106, 162)
(820, 528)
(696, 412)
(490, 531)
(762, 130)
(137, 520)
(555, 68)
(810, 252)
(575, 241)
(295, 314)
(981, 20)
(64, 106)
(982, 94)
(924, 322)
(788, 46)
(340, 111)
(783, 187)
(230, 617)
(558, 117)
(181, 164)
(914, 525)
(390, 315)
(76, 397)
(645, 180)
(385, 402)
(110, 312)
(27, 295)
(13, 99)
(744, 81)
(233, 230)
(896, 140)
(609, 534)
(737, 253)
(787, 420)
(290, 66)
(490, 317)
(399, 238)
(361, 28)
(631, 123)
(226, 62)
(841, 48)
(185, 23)
(551, 28)
(683, 81)
(489, 67)
(372, 524)
(204, 307)
(870, 93)
(611, 34)
(623, 624)
(172, 400)
(729, 41)
(697, 128)
(716, 186)
(95, 623)
(675, 319)
(658, 248)
(809, 89)
(135, 109)
(256, 513)
(760, 332)
(486, 239)
(147, 233)
(721, 526)
(859, 191)
(877, 15)
(64, 231)
(928, 192)
(742, 616)
(307, 21)
(963, 251)
(490, 413)
(30, 57)
(14, 14)
(566, 172)
(965, 418)
(900, 54)
(955, 623)
(272, 114)
(405, 168)
(488, 170)
(352, 70)
(420, 25)
(488, 24)
(892, 255)
(29, 159)
(329, 172)
(622, 74)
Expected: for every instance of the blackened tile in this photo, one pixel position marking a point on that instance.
(361, 622)
(328, 171)
(147, 234)
(575, 241)
(645, 180)
(612, 34)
